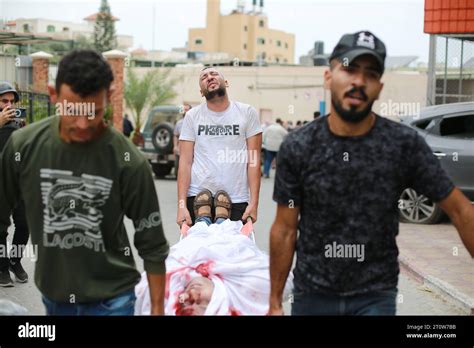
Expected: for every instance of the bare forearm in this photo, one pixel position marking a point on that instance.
(254, 178)
(156, 284)
(184, 179)
(282, 248)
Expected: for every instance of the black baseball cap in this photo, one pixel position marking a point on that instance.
(351, 46)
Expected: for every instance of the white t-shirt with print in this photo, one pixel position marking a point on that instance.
(220, 148)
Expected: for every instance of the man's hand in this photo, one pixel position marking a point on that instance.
(183, 216)
(7, 115)
(250, 211)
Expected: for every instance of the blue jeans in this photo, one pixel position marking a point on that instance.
(208, 220)
(381, 302)
(269, 156)
(123, 304)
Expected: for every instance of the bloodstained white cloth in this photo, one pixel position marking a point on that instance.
(231, 260)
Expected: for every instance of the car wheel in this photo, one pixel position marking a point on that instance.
(162, 138)
(418, 209)
(161, 170)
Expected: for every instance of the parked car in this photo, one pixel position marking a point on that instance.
(157, 132)
(449, 131)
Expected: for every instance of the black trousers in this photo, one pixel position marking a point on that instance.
(20, 237)
(236, 212)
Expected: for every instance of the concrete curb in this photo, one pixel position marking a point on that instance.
(438, 285)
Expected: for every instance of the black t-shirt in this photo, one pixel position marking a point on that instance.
(348, 190)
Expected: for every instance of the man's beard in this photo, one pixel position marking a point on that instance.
(351, 115)
(219, 92)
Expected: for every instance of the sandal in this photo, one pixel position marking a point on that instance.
(225, 204)
(203, 199)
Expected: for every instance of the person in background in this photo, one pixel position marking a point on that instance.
(273, 136)
(9, 124)
(127, 126)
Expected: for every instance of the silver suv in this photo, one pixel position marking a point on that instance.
(449, 131)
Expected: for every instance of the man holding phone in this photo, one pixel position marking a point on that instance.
(9, 113)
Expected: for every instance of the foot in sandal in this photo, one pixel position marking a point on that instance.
(223, 205)
(202, 204)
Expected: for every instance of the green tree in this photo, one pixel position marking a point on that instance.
(104, 30)
(154, 88)
(83, 42)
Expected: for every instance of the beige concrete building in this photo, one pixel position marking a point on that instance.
(294, 93)
(243, 35)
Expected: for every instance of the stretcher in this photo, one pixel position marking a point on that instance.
(247, 229)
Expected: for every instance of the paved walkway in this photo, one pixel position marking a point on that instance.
(436, 257)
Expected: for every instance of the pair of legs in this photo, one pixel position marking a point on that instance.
(20, 238)
(269, 156)
(382, 302)
(122, 304)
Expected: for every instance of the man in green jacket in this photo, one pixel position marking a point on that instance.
(79, 177)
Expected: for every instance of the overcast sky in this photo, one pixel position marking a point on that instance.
(399, 23)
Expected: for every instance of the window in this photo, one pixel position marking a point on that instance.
(198, 41)
(278, 43)
(65, 29)
(458, 127)
(245, 46)
(286, 45)
(425, 124)
(246, 28)
(277, 60)
(26, 28)
(261, 23)
(50, 29)
(261, 41)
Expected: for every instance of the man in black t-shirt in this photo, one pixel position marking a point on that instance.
(338, 182)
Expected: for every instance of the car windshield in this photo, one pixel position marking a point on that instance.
(162, 116)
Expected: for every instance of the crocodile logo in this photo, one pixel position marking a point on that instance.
(72, 209)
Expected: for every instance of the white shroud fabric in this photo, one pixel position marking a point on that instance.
(238, 269)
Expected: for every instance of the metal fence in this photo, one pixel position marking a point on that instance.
(38, 106)
(451, 69)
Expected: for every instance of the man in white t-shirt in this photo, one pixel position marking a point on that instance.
(220, 146)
